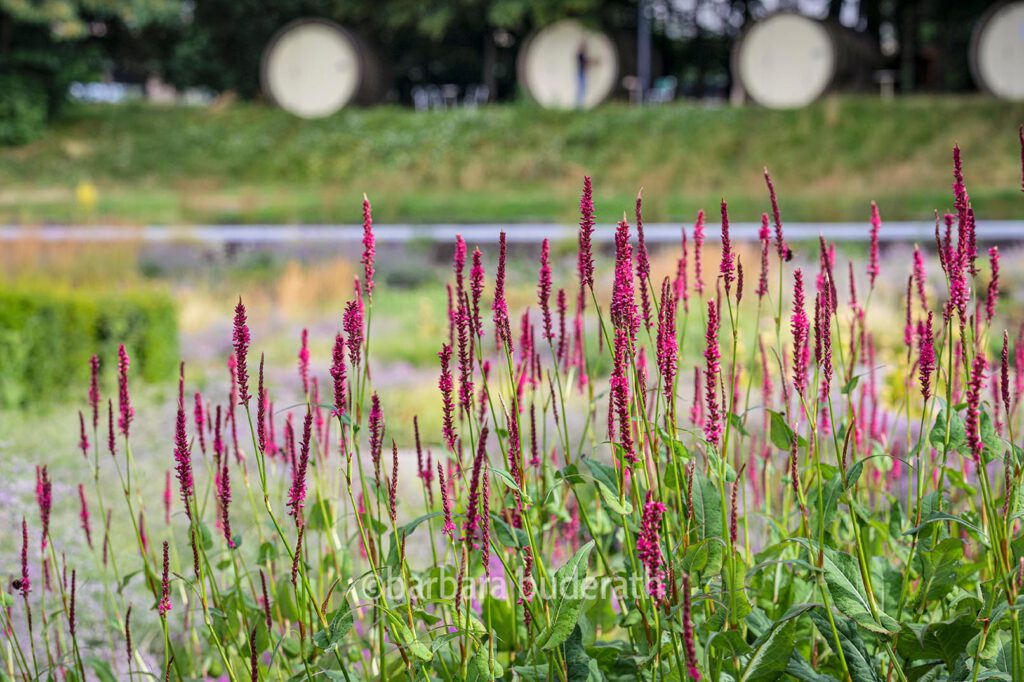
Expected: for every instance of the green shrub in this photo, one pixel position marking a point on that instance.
(48, 336)
(24, 109)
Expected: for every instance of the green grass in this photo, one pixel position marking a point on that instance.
(250, 163)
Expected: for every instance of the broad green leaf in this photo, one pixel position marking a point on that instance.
(782, 435)
(770, 654)
(844, 582)
(707, 511)
(957, 432)
(567, 600)
(938, 516)
(611, 500)
(578, 665)
(330, 637)
(860, 664)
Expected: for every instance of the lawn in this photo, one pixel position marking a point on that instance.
(249, 163)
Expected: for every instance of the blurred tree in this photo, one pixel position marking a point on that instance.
(44, 46)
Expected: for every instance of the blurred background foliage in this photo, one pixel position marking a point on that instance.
(217, 44)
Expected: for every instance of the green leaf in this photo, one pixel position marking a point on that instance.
(782, 436)
(994, 445)
(579, 666)
(507, 479)
(104, 672)
(329, 638)
(611, 500)
(507, 535)
(957, 432)
(567, 600)
(938, 516)
(847, 589)
(707, 511)
(862, 667)
(770, 653)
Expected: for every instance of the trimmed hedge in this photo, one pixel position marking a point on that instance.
(48, 335)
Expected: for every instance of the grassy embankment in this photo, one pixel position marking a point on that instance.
(249, 163)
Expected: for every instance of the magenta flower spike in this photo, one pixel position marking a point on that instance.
(476, 287)
(712, 372)
(698, 248)
(369, 248)
(224, 503)
(727, 268)
(764, 236)
(643, 263)
(83, 515)
(297, 492)
(502, 325)
(992, 295)
(446, 506)
(338, 374)
(926, 361)
(873, 264)
(24, 584)
(124, 403)
(780, 243)
(972, 420)
(619, 394)
(800, 327)
(1004, 374)
(688, 643)
(376, 424)
(469, 528)
(668, 345)
(182, 450)
(44, 499)
(83, 438)
(304, 361)
(544, 290)
(648, 547)
(199, 415)
(94, 390)
(241, 344)
(446, 385)
(920, 277)
(459, 267)
(352, 323)
(164, 605)
(585, 255)
(623, 305)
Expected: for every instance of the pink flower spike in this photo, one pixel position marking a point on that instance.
(992, 295)
(124, 403)
(83, 439)
(698, 247)
(449, 526)
(369, 247)
(585, 255)
(727, 268)
(780, 243)
(544, 289)
(799, 326)
(648, 547)
(712, 358)
(926, 361)
(446, 385)
(338, 374)
(643, 264)
(83, 515)
(876, 225)
(164, 605)
(304, 361)
(972, 419)
(764, 235)
(241, 345)
(94, 390)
